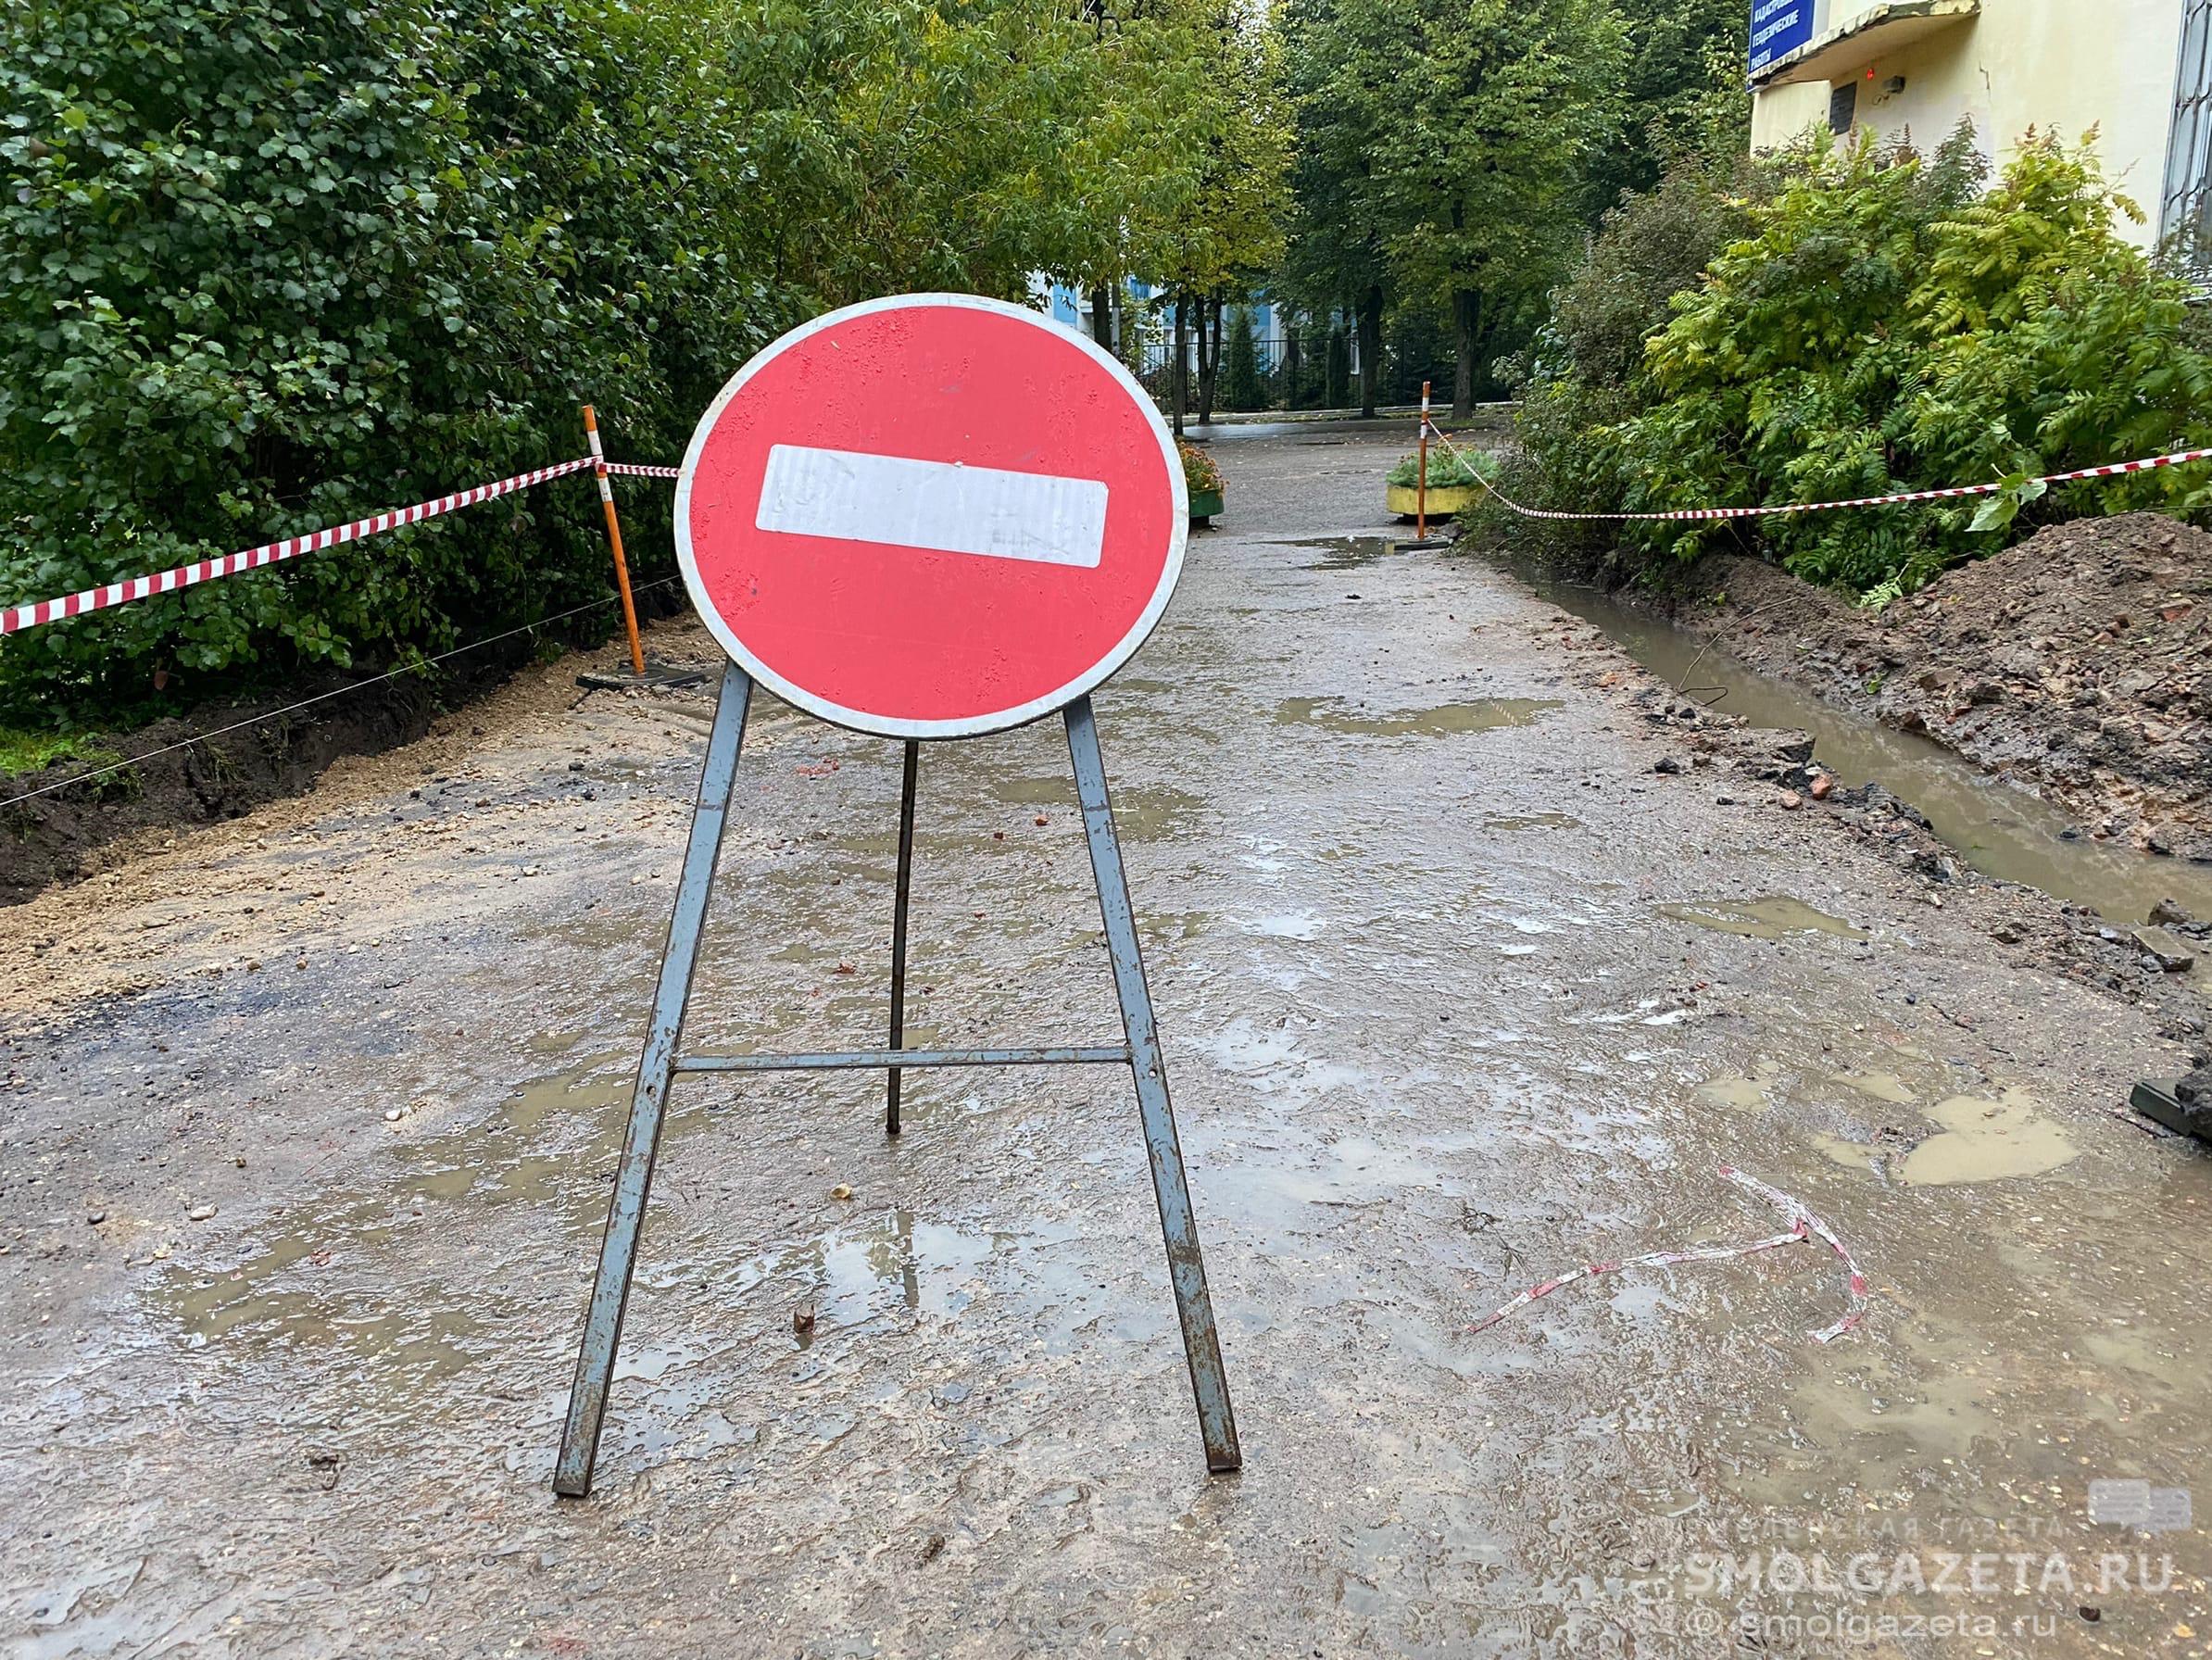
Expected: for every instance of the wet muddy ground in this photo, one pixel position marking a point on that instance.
(310, 1120)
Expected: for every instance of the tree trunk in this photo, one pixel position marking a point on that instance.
(1101, 317)
(1371, 311)
(1210, 358)
(1291, 360)
(1181, 378)
(1466, 327)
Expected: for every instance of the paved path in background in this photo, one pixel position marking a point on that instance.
(1445, 1012)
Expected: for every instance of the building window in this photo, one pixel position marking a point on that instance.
(2185, 214)
(1843, 104)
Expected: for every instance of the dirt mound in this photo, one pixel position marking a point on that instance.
(2078, 663)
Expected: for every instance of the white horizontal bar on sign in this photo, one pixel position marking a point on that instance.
(944, 506)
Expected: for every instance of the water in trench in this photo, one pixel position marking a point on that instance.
(1998, 830)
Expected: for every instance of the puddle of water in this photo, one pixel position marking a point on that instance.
(1985, 1141)
(1483, 715)
(929, 1267)
(1743, 1092)
(1533, 821)
(1979, 1141)
(1052, 790)
(1288, 925)
(300, 1292)
(1774, 917)
(1349, 553)
(1996, 829)
(1876, 1086)
(1144, 813)
(1928, 1401)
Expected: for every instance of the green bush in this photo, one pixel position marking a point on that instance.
(1447, 468)
(267, 265)
(1867, 323)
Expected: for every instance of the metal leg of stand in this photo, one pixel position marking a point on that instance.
(633, 1178)
(906, 883)
(1187, 1271)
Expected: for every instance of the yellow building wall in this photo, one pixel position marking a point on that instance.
(2068, 65)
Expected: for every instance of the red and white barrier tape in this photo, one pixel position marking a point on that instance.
(1803, 1225)
(16, 617)
(2147, 464)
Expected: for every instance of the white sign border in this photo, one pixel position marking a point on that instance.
(972, 725)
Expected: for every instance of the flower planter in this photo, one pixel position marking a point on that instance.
(1204, 504)
(1406, 500)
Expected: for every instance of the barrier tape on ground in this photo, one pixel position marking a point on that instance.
(1803, 1225)
(2148, 464)
(16, 617)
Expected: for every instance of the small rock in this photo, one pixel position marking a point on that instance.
(200, 1212)
(1822, 786)
(2168, 952)
(391, 1114)
(841, 1192)
(95, 1217)
(2166, 914)
(2008, 933)
(931, 1547)
(1668, 764)
(802, 1319)
(1791, 801)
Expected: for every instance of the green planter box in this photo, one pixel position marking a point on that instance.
(1204, 504)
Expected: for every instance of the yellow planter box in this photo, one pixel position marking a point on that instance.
(1404, 501)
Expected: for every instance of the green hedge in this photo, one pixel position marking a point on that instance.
(267, 265)
(1864, 323)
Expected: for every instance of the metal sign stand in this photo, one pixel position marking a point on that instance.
(663, 1062)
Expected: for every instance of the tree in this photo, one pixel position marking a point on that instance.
(1682, 95)
(1482, 173)
(1335, 259)
(1241, 361)
(1228, 231)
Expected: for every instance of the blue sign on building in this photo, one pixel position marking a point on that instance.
(1777, 29)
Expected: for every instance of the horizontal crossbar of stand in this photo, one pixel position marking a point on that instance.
(901, 1058)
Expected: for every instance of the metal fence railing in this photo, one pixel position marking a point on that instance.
(1278, 374)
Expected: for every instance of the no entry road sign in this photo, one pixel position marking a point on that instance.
(931, 516)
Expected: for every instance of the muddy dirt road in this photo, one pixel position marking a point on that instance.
(309, 1121)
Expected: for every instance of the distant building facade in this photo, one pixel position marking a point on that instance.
(2139, 71)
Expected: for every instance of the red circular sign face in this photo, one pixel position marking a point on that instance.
(931, 516)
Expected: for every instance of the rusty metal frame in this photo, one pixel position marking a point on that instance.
(663, 1062)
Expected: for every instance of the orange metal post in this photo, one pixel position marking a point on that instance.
(1421, 489)
(614, 534)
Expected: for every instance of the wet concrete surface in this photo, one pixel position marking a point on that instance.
(1454, 996)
